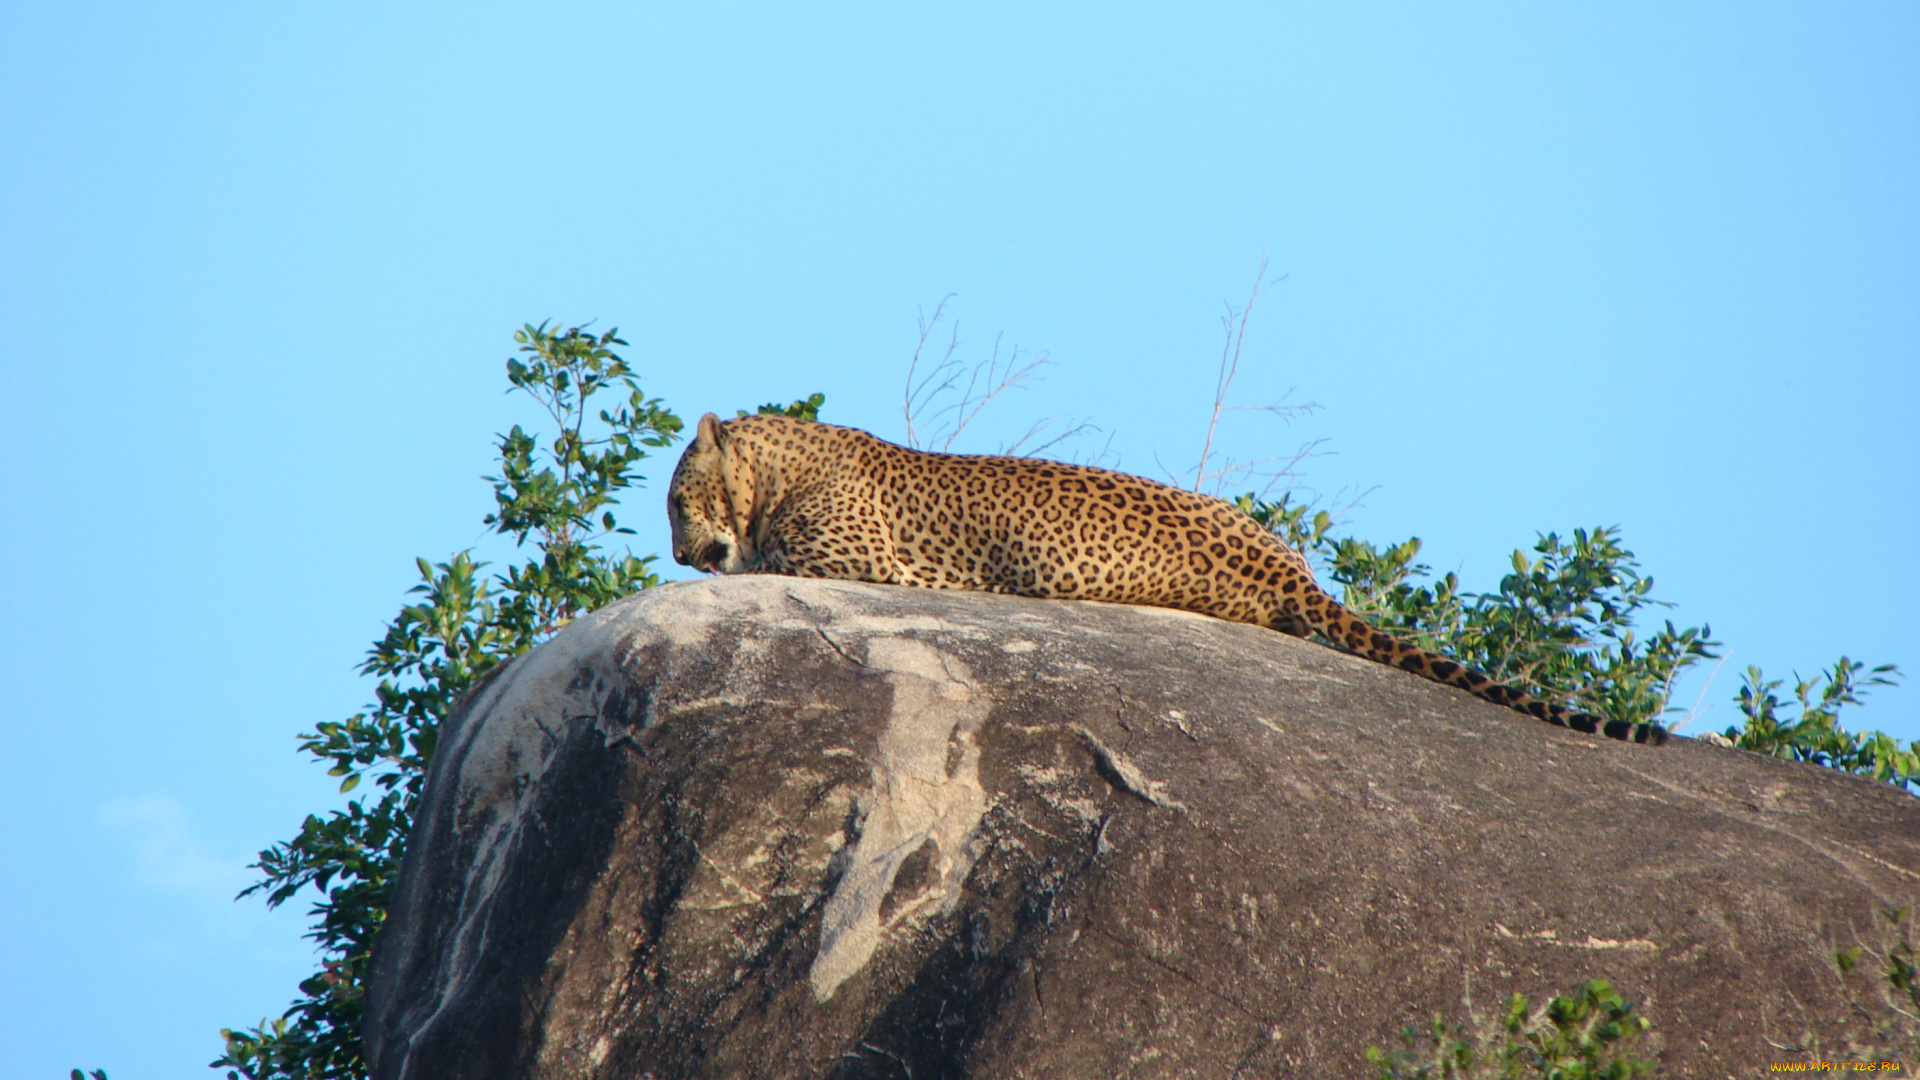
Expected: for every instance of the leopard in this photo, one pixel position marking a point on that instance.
(782, 495)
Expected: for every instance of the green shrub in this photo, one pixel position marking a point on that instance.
(1562, 623)
(1890, 965)
(1583, 1037)
(1815, 734)
(559, 496)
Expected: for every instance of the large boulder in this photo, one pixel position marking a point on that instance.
(769, 827)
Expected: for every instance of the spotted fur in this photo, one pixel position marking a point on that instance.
(777, 495)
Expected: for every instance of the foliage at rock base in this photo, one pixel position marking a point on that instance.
(1587, 1036)
(1883, 977)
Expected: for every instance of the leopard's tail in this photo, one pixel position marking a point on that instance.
(1334, 622)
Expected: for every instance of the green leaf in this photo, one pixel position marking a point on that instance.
(807, 408)
(1845, 959)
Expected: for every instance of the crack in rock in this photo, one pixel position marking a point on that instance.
(1127, 776)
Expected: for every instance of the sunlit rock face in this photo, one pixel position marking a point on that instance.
(770, 827)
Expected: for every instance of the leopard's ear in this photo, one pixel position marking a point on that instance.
(707, 440)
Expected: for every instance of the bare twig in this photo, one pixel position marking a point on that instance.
(916, 396)
(1103, 457)
(932, 424)
(1695, 712)
(1279, 470)
(1073, 430)
(1229, 367)
(989, 379)
(1275, 475)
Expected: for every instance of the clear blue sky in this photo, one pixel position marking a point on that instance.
(1653, 265)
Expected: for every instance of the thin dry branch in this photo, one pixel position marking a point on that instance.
(989, 379)
(1074, 429)
(1277, 471)
(916, 396)
(1694, 713)
(1229, 367)
(933, 425)
(1285, 472)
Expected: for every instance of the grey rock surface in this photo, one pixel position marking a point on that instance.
(770, 827)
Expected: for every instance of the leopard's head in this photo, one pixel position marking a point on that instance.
(708, 514)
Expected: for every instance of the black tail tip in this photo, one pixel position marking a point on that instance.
(1647, 734)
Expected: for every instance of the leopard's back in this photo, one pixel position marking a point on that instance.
(1053, 530)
